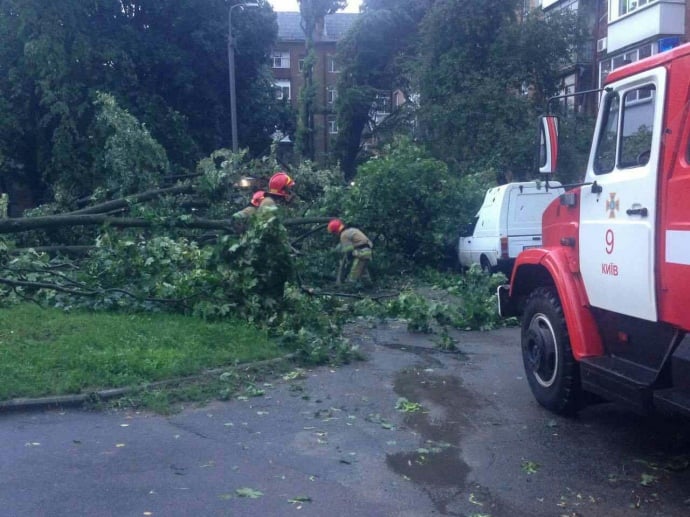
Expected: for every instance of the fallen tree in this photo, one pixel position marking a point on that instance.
(57, 221)
(163, 245)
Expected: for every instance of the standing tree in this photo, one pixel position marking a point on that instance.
(163, 61)
(483, 77)
(369, 58)
(462, 101)
(49, 55)
(312, 13)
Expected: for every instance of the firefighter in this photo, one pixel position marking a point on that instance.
(278, 192)
(353, 243)
(253, 206)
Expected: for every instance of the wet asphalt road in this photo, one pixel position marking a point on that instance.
(334, 444)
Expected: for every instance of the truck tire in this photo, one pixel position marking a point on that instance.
(552, 372)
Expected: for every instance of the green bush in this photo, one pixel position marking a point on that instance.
(411, 206)
(478, 309)
(465, 302)
(416, 309)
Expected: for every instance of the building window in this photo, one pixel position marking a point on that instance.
(607, 65)
(567, 89)
(300, 64)
(283, 90)
(332, 125)
(604, 69)
(635, 4)
(331, 95)
(280, 59)
(622, 7)
(382, 103)
(332, 65)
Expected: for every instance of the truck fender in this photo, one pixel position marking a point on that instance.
(541, 267)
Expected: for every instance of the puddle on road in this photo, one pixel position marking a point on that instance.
(440, 468)
(649, 459)
(449, 407)
(447, 415)
(426, 353)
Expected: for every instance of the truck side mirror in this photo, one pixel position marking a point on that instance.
(548, 144)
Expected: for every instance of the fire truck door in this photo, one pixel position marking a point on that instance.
(618, 212)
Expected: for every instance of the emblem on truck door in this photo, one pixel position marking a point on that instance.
(613, 205)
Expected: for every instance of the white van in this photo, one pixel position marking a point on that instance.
(508, 222)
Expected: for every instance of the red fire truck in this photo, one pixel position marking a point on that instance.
(604, 303)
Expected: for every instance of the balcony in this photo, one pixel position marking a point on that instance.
(633, 21)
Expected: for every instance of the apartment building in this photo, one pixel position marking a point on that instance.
(623, 31)
(636, 29)
(287, 63)
(581, 73)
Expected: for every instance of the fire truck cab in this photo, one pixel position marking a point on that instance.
(604, 303)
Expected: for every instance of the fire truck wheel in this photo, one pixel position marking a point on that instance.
(551, 369)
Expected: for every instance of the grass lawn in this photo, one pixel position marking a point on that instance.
(50, 352)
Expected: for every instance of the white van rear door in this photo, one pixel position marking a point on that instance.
(525, 210)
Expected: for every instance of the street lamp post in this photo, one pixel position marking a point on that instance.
(231, 68)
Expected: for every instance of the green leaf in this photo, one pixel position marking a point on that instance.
(300, 499)
(406, 406)
(530, 467)
(648, 479)
(249, 493)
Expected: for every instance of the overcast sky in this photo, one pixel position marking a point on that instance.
(291, 5)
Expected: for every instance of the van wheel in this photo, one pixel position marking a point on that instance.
(486, 266)
(552, 372)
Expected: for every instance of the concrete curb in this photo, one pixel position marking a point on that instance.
(21, 404)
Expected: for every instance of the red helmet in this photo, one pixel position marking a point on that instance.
(335, 226)
(258, 197)
(278, 184)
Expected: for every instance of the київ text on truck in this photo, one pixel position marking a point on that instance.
(605, 301)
